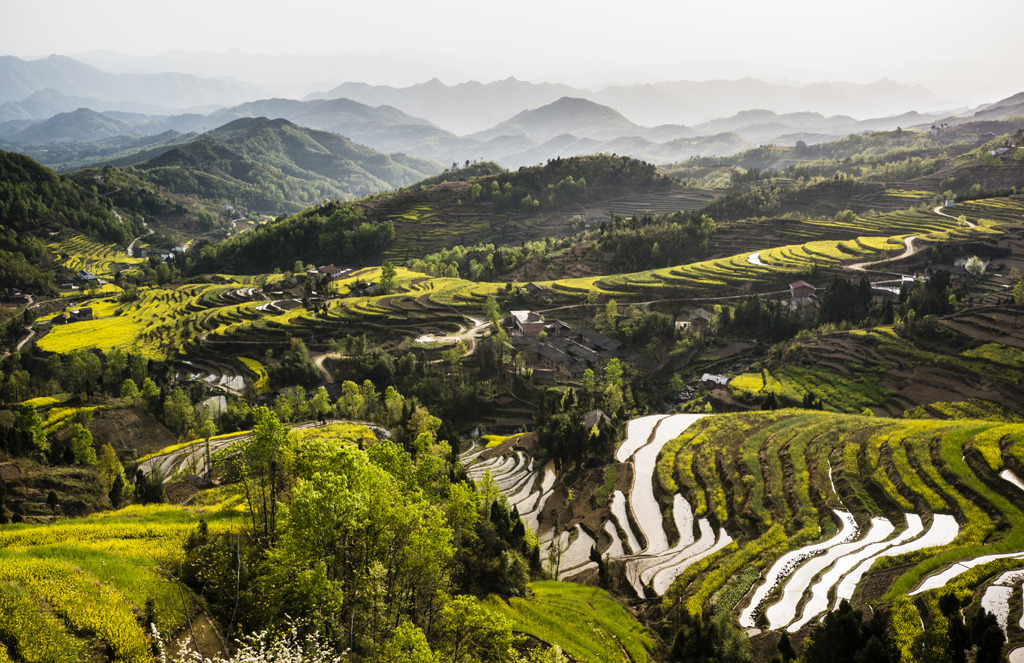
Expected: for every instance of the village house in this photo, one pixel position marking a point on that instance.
(537, 292)
(331, 272)
(526, 323)
(700, 318)
(80, 314)
(557, 328)
(595, 417)
(802, 295)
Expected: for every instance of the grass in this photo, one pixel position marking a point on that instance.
(586, 622)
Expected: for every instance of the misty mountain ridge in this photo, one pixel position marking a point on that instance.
(80, 125)
(571, 123)
(464, 108)
(46, 103)
(21, 78)
(579, 117)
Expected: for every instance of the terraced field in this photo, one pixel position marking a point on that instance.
(169, 323)
(810, 508)
(74, 590)
(889, 372)
(103, 260)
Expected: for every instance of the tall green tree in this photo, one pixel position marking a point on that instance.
(30, 425)
(259, 466)
(387, 277)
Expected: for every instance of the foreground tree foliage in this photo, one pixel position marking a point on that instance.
(378, 553)
(843, 636)
(715, 639)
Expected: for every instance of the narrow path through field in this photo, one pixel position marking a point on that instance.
(131, 247)
(938, 210)
(319, 360)
(909, 251)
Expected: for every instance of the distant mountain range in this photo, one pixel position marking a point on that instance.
(472, 107)
(19, 79)
(512, 122)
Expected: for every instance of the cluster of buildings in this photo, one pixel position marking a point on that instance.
(74, 315)
(556, 351)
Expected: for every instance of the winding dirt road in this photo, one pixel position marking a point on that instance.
(910, 250)
(938, 210)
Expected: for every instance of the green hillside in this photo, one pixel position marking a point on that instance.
(277, 167)
(35, 201)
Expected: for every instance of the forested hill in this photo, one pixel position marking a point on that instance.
(34, 200)
(275, 166)
(532, 201)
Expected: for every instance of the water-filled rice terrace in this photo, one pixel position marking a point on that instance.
(780, 515)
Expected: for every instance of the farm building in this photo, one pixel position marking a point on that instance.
(526, 323)
(700, 317)
(80, 314)
(537, 292)
(802, 295)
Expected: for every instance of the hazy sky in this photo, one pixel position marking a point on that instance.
(862, 40)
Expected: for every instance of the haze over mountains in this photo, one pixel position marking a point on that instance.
(58, 100)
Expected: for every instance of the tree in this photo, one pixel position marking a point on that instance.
(475, 634)
(613, 373)
(207, 429)
(588, 385)
(109, 466)
(611, 313)
(179, 415)
(116, 494)
(149, 390)
(387, 277)
(129, 390)
(407, 645)
(82, 446)
(321, 404)
(30, 425)
(52, 501)
(492, 311)
(260, 469)
(351, 404)
(785, 648)
(975, 266)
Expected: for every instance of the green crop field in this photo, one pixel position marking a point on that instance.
(71, 588)
(586, 622)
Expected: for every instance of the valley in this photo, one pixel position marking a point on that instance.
(415, 375)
